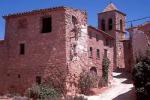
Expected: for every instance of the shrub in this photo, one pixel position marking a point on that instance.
(141, 77)
(105, 70)
(43, 92)
(87, 81)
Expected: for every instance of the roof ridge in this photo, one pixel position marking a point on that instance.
(38, 10)
(106, 34)
(110, 7)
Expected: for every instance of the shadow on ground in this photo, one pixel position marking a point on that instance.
(124, 75)
(130, 95)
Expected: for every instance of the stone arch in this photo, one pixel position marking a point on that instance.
(93, 70)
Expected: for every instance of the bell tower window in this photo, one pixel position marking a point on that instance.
(103, 24)
(121, 25)
(110, 24)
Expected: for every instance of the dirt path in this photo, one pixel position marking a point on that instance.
(121, 89)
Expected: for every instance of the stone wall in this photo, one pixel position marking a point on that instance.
(97, 40)
(3, 61)
(76, 45)
(45, 53)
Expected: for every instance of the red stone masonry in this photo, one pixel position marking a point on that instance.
(97, 40)
(60, 55)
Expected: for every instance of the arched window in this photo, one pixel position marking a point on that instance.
(103, 24)
(121, 25)
(110, 24)
(93, 71)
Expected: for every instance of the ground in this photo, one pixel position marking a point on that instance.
(121, 89)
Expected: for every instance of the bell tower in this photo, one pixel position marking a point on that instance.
(112, 21)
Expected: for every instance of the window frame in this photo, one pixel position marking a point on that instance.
(110, 24)
(22, 48)
(98, 53)
(44, 30)
(91, 52)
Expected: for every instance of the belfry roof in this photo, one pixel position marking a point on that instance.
(110, 7)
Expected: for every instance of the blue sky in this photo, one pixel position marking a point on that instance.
(133, 8)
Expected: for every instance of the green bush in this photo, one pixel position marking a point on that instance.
(87, 81)
(141, 77)
(105, 70)
(43, 92)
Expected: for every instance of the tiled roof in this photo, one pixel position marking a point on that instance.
(102, 32)
(110, 7)
(39, 10)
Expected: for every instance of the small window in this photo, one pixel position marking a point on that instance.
(46, 25)
(103, 24)
(74, 20)
(107, 42)
(110, 24)
(93, 71)
(97, 37)
(19, 76)
(38, 79)
(98, 53)
(22, 49)
(121, 25)
(105, 52)
(75, 49)
(8, 74)
(91, 52)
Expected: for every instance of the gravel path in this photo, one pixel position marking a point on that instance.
(121, 89)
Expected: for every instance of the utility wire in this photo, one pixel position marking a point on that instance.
(134, 20)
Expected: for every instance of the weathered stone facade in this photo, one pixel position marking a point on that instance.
(97, 41)
(60, 55)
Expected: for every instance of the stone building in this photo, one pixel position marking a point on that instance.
(139, 42)
(56, 44)
(112, 21)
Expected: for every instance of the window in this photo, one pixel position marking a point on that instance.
(46, 25)
(103, 24)
(105, 52)
(93, 71)
(22, 49)
(74, 20)
(19, 76)
(8, 74)
(75, 49)
(91, 52)
(121, 25)
(97, 37)
(107, 42)
(110, 24)
(98, 53)
(38, 79)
